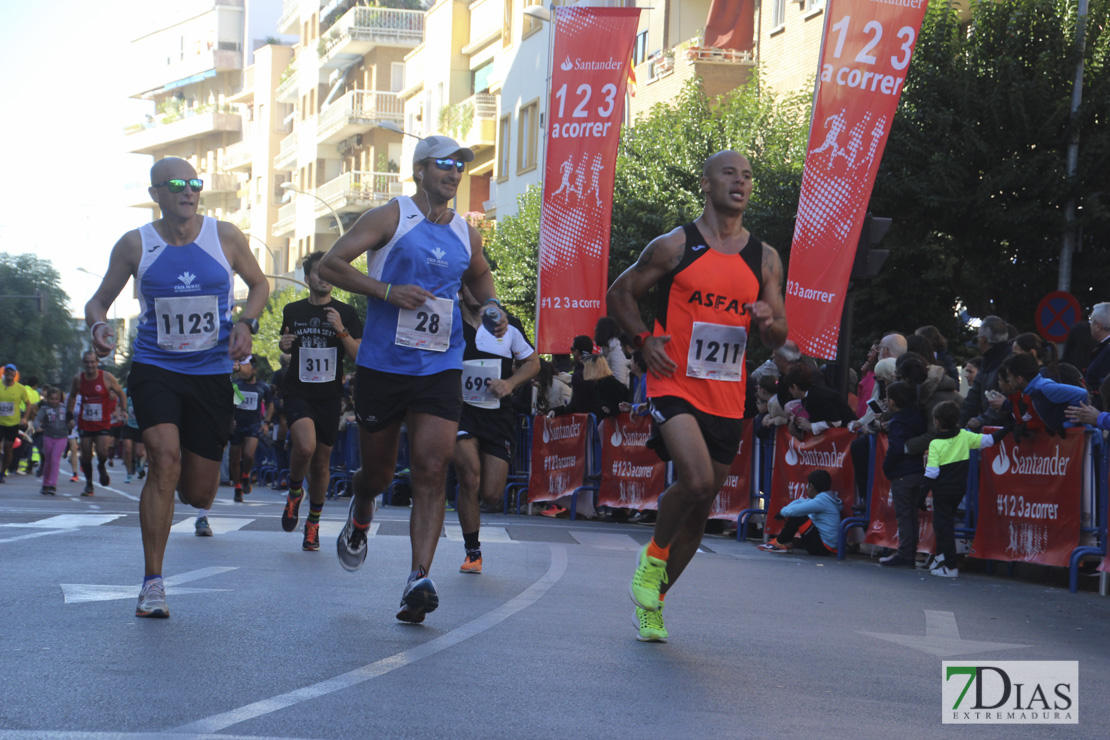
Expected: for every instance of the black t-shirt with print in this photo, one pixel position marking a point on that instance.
(316, 370)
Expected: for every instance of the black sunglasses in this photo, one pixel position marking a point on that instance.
(448, 163)
(178, 185)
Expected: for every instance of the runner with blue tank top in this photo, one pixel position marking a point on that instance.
(183, 265)
(409, 365)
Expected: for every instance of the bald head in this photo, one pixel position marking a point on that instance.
(892, 345)
(724, 158)
(170, 168)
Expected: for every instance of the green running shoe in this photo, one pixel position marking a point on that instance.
(650, 626)
(651, 573)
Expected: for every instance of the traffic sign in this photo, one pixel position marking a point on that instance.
(1056, 314)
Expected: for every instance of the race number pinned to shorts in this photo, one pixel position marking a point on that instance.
(92, 412)
(249, 402)
(317, 364)
(428, 327)
(716, 352)
(187, 324)
(476, 378)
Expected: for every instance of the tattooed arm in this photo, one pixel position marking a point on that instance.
(660, 257)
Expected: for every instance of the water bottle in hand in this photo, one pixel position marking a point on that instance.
(491, 316)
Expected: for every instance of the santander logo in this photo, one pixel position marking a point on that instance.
(814, 458)
(622, 436)
(567, 65)
(1017, 464)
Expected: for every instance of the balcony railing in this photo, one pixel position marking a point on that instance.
(357, 190)
(290, 16)
(361, 29)
(159, 131)
(218, 183)
(480, 128)
(356, 112)
(286, 219)
(286, 159)
(237, 156)
(287, 89)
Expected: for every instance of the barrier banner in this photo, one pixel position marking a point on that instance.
(883, 528)
(590, 57)
(1029, 499)
(736, 494)
(632, 476)
(867, 49)
(558, 456)
(795, 460)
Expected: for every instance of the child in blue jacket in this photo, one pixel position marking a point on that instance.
(812, 522)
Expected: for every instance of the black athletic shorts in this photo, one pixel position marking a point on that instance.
(200, 406)
(324, 413)
(132, 433)
(721, 434)
(82, 434)
(383, 399)
(493, 428)
(9, 434)
(241, 433)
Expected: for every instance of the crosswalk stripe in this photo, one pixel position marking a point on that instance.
(487, 534)
(219, 525)
(70, 521)
(606, 540)
(332, 527)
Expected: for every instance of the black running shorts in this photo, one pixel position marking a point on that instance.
(200, 406)
(721, 434)
(324, 413)
(383, 399)
(493, 428)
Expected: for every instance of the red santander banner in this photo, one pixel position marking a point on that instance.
(632, 476)
(1029, 499)
(590, 67)
(736, 494)
(866, 52)
(883, 528)
(795, 460)
(558, 456)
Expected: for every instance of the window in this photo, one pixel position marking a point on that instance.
(530, 25)
(396, 76)
(503, 129)
(507, 26)
(479, 78)
(526, 135)
(639, 50)
(812, 5)
(778, 13)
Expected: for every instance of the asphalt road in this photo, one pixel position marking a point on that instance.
(268, 641)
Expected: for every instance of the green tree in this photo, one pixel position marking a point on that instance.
(37, 342)
(974, 172)
(512, 251)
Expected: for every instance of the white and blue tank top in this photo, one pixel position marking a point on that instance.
(185, 298)
(434, 256)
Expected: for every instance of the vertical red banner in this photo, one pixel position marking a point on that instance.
(632, 476)
(558, 456)
(864, 58)
(883, 527)
(590, 67)
(795, 460)
(736, 494)
(1029, 499)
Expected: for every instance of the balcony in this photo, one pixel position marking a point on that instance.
(157, 133)
(290, 18)
(286, 159)
(218, 184)
(237, 156)
(241, 219)
(288, 86)
(356, 112)
(480, 112)
(286, 219)
(357, 191)
(359, 30)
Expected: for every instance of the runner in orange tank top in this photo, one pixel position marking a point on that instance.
(716, 284)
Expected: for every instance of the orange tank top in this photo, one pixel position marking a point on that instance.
(701, 307)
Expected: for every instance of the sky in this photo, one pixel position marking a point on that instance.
(64, 67)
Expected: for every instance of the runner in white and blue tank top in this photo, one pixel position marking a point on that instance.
(183, 265)
(419, 254)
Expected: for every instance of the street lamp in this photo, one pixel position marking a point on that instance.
(274, 260)
(391, 126)
(292, 188)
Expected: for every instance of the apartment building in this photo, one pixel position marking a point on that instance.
(788, 43)
(190, 65)
(342, 83)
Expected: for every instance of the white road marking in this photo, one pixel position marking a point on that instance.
(487, 534)
(69, 521)
(942, 638)
(606, 540)
(332, 527)
(77, 593)
(116, 490)
(526, 598)
(219, 525)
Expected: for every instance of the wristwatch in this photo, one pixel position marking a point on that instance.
(252, 324)
(639, 339)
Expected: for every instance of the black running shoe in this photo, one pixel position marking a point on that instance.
(351, 545)
(246, 486)
(88, 490)
(290, 515)
(419, 598)
(238, 495)
(105, 479)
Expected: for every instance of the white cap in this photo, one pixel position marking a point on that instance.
(437, 147)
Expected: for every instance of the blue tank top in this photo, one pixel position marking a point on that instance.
(185, 298)
(433, 256)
